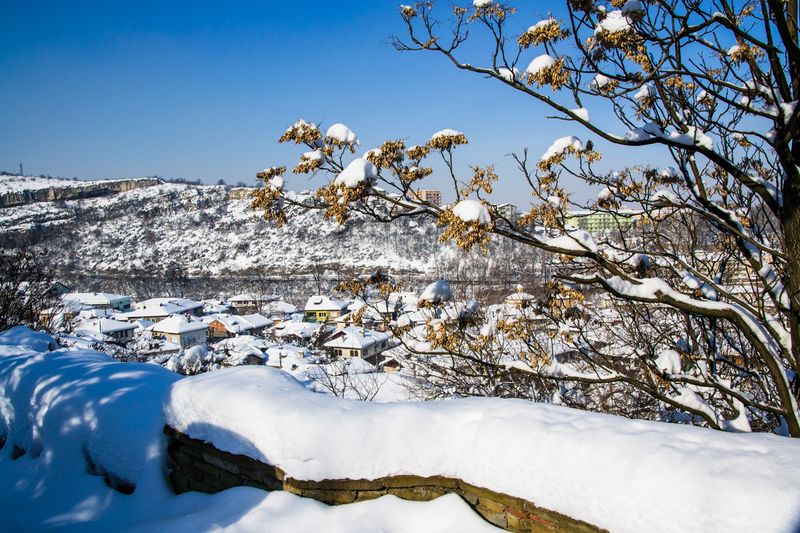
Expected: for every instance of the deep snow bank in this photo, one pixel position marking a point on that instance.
(616, 473)
(78, 416)
(64, 404)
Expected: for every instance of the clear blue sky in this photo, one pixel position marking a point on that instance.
(203, 89)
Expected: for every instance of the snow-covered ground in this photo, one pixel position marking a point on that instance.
(80, 416)
(617, 473)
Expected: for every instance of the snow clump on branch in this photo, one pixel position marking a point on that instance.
(569, 144)
(669, 361)
(446, 139)
(544, 31)
(357, 172)
(437, 293)
(341, 136)
(472, 211)
(540, 62)
(544, 70)
(616, 21)
(508, 74)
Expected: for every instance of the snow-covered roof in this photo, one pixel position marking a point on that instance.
(356, 337)
(181, 305)
(214, 306)
(519, 297)
(162, 307)
(243, 297)
(238, 323)
(298, 329)
(320, 302)
(95, 298)
(280, 306)
(285, 356)
(65, 306)
(106, 325)
(257, 320)
(178, 324)
(232, 323)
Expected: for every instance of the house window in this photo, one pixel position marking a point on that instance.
(353, 353)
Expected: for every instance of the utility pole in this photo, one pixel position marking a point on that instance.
(20, 170)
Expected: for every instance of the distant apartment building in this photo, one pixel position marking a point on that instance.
(427, 195)
(508, 212)
(598, 222)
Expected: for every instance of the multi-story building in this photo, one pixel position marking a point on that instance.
(598, 222)
(509, 212)
(427, 195)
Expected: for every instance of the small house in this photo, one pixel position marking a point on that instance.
(119, 331)
(100, 300)
(286, 357)
(221, 326)
(156, 309)
(247, 303)
(181, 330)
(323, 308)
(358, 342)
(278, 310)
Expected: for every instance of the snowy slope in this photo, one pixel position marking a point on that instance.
(211, 230)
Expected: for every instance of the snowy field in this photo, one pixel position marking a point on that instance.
(81, 417)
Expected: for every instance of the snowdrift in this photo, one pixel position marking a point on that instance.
(80, 431)
(613, 472)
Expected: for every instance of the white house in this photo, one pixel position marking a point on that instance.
(244, 303)
(358, 342)
(119, 331)
(181, 305)
(156, 309)
(289, 331)
(279, 310)
(100, 300)
(181, 330)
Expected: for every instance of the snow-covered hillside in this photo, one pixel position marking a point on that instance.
(210, 230)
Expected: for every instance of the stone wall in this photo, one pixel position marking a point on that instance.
(199, 466)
